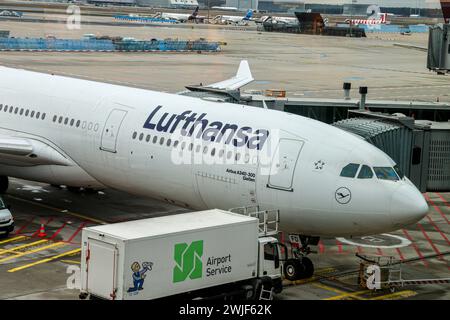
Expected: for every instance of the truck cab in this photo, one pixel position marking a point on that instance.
(6, 220)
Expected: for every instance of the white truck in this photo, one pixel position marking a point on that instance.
(204, 254)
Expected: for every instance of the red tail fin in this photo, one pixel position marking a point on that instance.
(445, 5)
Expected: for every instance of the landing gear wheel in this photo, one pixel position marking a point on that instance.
(292, 269)
(307, 268)
(4, 184)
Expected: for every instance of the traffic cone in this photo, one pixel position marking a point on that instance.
(42, 233)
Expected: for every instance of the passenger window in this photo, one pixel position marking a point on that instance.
(155, 139)
(72, 121)
(38, 115)
(141, 136)
(54, 118)
(148, 138)
(213, 151)
(43, 116)
(17, 110)
(169, 141)
(183, 145)
(365, 173)
(161, 141)
(175, 143)
(32, 114)
(386, 173)
(21, 111)
(78, 123)
(134, 135)
(349, 171)
(1, 107)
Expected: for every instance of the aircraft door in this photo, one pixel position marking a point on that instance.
(283, 164)
(111, 130)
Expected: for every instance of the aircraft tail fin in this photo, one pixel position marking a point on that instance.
(249, 14)
(242, 77)
(445, 6)
(195, 13)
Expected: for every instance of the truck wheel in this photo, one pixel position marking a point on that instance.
(4, 184)
(308, 268)
(292, 269)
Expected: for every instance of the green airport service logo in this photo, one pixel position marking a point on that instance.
(188, 262)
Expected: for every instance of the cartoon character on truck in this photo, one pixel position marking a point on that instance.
(139, 275)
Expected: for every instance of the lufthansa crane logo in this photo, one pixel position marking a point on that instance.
(343, 195)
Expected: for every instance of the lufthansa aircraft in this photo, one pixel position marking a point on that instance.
(200, 153)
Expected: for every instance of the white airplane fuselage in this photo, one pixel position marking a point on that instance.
(96, 134)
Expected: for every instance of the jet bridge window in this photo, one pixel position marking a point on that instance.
(386, 173)
(349, 171)
(365, 173)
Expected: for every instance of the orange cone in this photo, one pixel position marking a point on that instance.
(42, 233)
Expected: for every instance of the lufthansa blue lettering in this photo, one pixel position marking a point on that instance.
(215, 131)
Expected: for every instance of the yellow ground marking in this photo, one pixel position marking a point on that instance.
(353, 295)
(13, 239)
(45, 260)
(349, 295)
(14, 249)
(71, 261)
(400, 294)
(78, 215)
(20, 254)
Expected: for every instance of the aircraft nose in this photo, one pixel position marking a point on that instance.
(408, 206)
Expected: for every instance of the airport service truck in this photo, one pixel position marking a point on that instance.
(204, 254)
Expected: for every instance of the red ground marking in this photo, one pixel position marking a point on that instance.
(442, 198)
(419, 254)
(321, 247)
(77, 231)
(25, 225)
(400, 254)
(436, 208)
(58, 231)
(438, 230)
(431, 242)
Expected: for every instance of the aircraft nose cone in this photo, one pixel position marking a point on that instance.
(408, 206)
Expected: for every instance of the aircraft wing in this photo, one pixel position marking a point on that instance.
(18, 151)
(242, 77)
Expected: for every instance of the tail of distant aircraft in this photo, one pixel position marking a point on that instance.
(195, 13)
(445, 5)
(249, 14)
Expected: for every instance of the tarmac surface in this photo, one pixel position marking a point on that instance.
(33, 267)
(303, 65)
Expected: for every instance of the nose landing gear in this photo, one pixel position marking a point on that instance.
(299, 266)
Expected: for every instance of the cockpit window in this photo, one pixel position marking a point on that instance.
(365, 172)
(399, 172)
(350, 170)
(386, 173)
